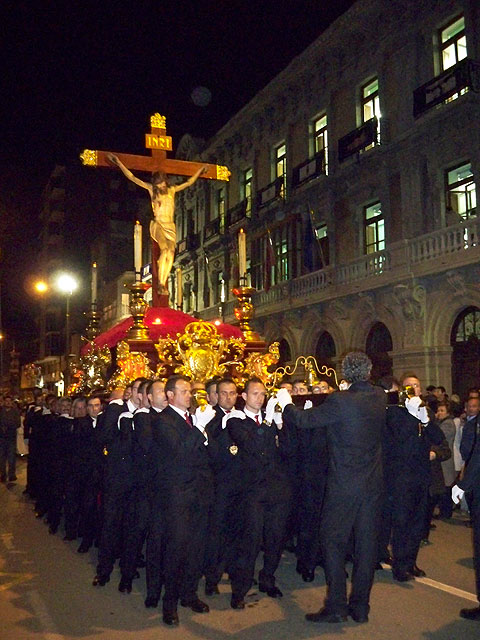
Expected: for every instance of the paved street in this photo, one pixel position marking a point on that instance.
(46, 594)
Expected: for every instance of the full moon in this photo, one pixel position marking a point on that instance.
(201, 96)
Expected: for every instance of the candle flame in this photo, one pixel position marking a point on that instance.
(94, 265)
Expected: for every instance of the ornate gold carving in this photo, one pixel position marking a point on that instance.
(158, 122)
(130, 365)
(89, 372)
(245, 312)
(312, 369)
(223, 173)
(89, 157)
(257, 364)
(202, 352)
(138, 309)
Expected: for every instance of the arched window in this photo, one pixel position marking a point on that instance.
(379, 343)
(325, 350)
(465, 341)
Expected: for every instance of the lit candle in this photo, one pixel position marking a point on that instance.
(94, 283)
(179, 288)
(137, 246)
(242, 254)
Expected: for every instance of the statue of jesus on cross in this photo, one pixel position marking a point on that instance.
(162, 227)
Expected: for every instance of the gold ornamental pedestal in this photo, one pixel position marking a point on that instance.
(138, 308)
(245, 312)
(93, 327)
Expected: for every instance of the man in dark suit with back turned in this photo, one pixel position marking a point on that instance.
(354, 421)
(180, 448)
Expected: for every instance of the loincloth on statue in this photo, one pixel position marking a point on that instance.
(165, 235)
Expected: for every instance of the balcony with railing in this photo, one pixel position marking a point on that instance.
(424, 255)
(212, 229)
(462, 76)
(270, 193)
(308, 170)
(239, 213)
(190, 243)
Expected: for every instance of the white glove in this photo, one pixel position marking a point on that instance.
(235, 413)
(457, 493)
(203, 415)
(283, 398)
(413, 407)
(270, 409)
(277, 418)
(308, 404)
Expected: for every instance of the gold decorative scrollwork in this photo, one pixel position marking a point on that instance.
(89, 157)
(89, 372)
(223, 173)
(312, 371)
(158, 122)
(202, 352)
(130, 365)
(257, 364)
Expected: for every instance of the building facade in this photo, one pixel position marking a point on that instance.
(358, 166)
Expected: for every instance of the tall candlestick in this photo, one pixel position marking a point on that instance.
(242, 254)
(179, 288)
(137, 246)
(94, 283)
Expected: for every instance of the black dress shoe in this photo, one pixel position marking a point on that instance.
(170, 618)
(136, 575)
(125, 585)
(402, 576)
(272, 592)
(196, 605)
(378, 567)
(12, 478)
(324, 615)
(53, 528)
(69, 537)
(308, 576)
(471, 614)
(388, 561)
(83, 548)
(151, 602)
(3, 478)
(417, 572)
(211, 589)
(357, 616)
(237, 603)
(100, 581)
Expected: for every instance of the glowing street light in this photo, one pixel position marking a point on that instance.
(40, 286)
(67, 284)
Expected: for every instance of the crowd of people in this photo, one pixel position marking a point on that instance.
(156, 479)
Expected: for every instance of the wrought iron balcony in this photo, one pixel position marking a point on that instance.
(212, 229)
(358, 139)
(464, 75)
(308, 170)
(190, 243)
(270, 193)
(239, 212)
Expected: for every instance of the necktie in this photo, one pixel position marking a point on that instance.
(188, 419)
(257, 420)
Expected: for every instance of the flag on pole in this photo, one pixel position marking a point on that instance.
(270, 261)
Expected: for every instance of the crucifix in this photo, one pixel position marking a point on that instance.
(162, 195)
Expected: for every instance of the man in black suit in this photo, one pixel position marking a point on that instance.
(264, 501)
(227, 482)
(180, 448)
(408, 438)
(117, 479)
(354, 422)
(471, 482)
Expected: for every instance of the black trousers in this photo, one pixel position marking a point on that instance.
(222, 530)
(81, 489)
(155, 547)
(475, 515)
(8, 450)
(134, 525)
(185, 533)
(410, 505)
(311, 497)
(385, 527)
(263, 515)
(346, 515)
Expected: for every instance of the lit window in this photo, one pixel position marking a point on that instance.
(280, 166)
(220, 206)
(371, 105)
(453, 43)
(320, 140)
(246, 190)
(374, 228)
(461, 195)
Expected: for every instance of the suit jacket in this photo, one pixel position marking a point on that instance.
(354, 421)
(181, 459)
(263, 454)
(223, 452)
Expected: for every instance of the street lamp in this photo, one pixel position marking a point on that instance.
(67, 284)
(40, 287)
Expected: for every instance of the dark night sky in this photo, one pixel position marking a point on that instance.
(89, 74)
